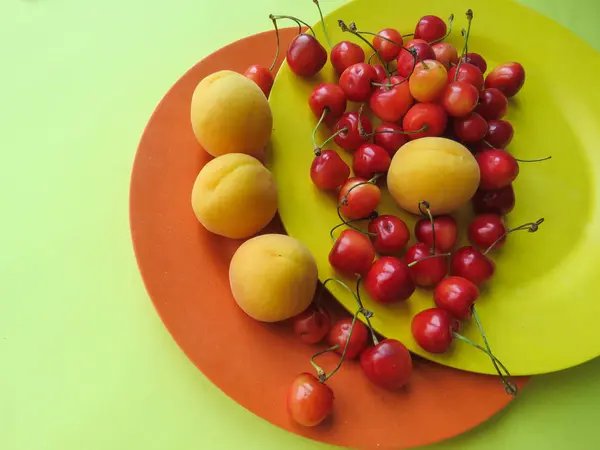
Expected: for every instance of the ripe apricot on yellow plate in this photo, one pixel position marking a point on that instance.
(540, 311)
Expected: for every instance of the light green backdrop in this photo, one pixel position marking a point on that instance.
(85, 363)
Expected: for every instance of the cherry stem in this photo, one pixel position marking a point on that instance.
(438, 255)
(371, 181)
(365, 312)
(368, 135)
(277, 49)
(427, 213)
(489, 145)
(533, 160)
(450, 20)
(314, 133)
(332, 137)
(532, 227)
(316, 2)
(295, 19)
(348, 223)
(320, 372)
(408, 35)
(469, 15)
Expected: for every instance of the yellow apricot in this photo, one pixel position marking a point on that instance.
(230, 114)
(234, 196)
(438, 170)
(273, 277)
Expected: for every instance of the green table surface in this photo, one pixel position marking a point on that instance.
(85, 362)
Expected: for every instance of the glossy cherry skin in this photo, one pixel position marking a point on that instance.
(470, 263)
(471, 128)
(382, 76)
(493, 104)
(499, 134)
(370, 159)
(508, 78)
(352, 253)
(430, 28)
(351, 139)
(309, 401)
(329, 171)
(428, 80)
(261, 76)
(406, 61)
(338, 335)
(476, 59)
(356, 82)
(467, 73)
(306, 56)
(498, 201)
(311, 325)
(328, 96)
(389, 280)
(459, 98)
(433, 330)
(446, 233)
(387, 364)
(430, 114)
(388, 51)
(390, 104)
(388, 135)
(345, 54)
(456, 296)
(487, 229)
(445, 53)
(358, 202)
(425, 273)
(389, 234)
(497, 168)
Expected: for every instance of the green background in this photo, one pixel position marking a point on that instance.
(85, 362)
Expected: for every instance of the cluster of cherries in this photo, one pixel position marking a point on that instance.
(418, 89)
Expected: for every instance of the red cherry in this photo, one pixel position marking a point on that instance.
(305, 55)
(446, 233)
(499, 134)
(389, 234)
(358, 202)
(389, 280)
(406, 61)
(309, 401)
(356, 82)
(312, 325)
(387, 364)
(456, 296)
(345, 54)
(370, 159)
(459, 98)
(508, 78)
(498, 201)
(467, 73)
(381, 73)
(476, 59)
(328, 96)
(433, 329)
(428, 81)
(351, 139)
(470, 263)
(471, 128)
(487, 229)
(493, 104)
(497, 168)
(339, 335)
(261, 76)
(329, 171)
(429, 272)
(390, 137)
(386, 50)
(390, 104)
(352, 253)
(430, 115)
(430, 28)
(445, 53)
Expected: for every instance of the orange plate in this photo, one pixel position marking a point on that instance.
(185, 271)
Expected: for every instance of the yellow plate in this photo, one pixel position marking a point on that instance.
(541, 311)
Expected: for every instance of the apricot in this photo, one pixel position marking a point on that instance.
(234, 196)
(438, 170)
(230, 114)
(273, 277)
